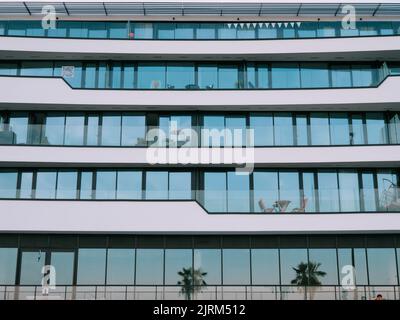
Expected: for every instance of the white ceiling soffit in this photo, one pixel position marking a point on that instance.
(188, 8)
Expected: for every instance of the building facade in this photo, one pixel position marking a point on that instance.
(199, 150)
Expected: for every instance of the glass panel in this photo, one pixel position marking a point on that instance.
(86, 189)
(54, 129)
(328, 191)
(8, 265)
(117, 30)
(339, 126)
(341, 76)
(212, 133)
(301, 130)
(238, 192)
(103, 76)
(314, 75)
(156, 185)
(215, 191)
(70, 71)
(31, 267)
(129, 185)
(17, 28)
(165, 31)
(151, 76)
(309, 198)
(357, 134)
(368, 192)
(283, 128)
(67, 184)
(185, 30)
(116, 75)
(120, 266)
(289, 192)
(133, 130)
(363, 75)
(105, 184)
(46, 185)
(354, 257)
(294, 267)
(19, 126)
(111, 130)
(8, 69)
(228, 77)
(266, 31)
(26, 185)
(206, 31)
(91, 266)
(96, 29)
(265, 266)
(265, 191)
(376, 128)
(74, 129)
(319, 124)
(236, 266)
(129, 75)
(227, 31)
(207, 76)
(387, 190)
(394, 128)
(63, 262)
(327, 29)
(178, 268)
(307, 30)
(180, 185)
(143, 30)
(36, 68)
(247, 31)
(149, 266)
(8, 184)
(93, 130)
(235, 131)
(207, 262)
(263, 129)
(349, 191)
(382, 266)
(325, 263)
(180, 76)
(90, 75)
(285, 75)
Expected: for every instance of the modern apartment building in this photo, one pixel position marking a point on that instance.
(199, 149)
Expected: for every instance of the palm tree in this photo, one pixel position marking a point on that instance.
(308, 274)
(192, 281)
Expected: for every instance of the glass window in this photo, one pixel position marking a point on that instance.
(394, 128)
(133, 130)
(289, 192)
(376, 128)
(293, 262)
(341, 76)
(382, 266)
(235, 134)
(285, 75)
(25, 191)
(165, 30)
(180, 76)
(17, 28)
(215, 191)
(111, 130)
(349, 191)
(120, 266)
(238, 192)
(151, 76)
(117, 30)
(8, 184)
(263, 128)
(91, 266)
(129, 185)
(387, 190)
(326, 263)
(63, 262)
(36, 68)
(207, 76)
(142, 30)
(314, 75)
(301, 130)
(357, 129)
(367, 29)
(185, 30)
(67, 184)
(90, 75)
(265, 191)
(93, 130)
(339, 127)
(363, 75)
(103, 76)
(19, 126)
(129, 75)
(228, 77)
(149, 266)
(178, 267)
(308, 202)
(180, 185)
(265, 266)
(283, 129)
(328, 191)
(319, 125)
(207, 262)
(116, 75)
(54, 129)
(74, 129)
(206, 31)
(354, 257)
(70, 71)
(267, 31)
(8, 69)
(368, 191)
(46, 184)
(8, 265)
(78, 29)
(212, 133)
(97, 29)
(2, 28)
(247, 31)
(86, 189)
(105, 184)
(327, 29)
(157, 185)
(236, 266)
(307, 30)
(31, 267)
(227, 31)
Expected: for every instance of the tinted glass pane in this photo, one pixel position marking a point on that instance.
(103, 75)
(54, 129)
(301, 130)
(292, 259)
(86, 185)
(285, 75)
(93, 130)
(185, 30)
(319, 128)
(157, 185)
(118, 30)
(74, 129)
(228, 77)
(283, 129)
(143, 30)
(235, 131)
(262, 126)
(8, 69)
(63, 262)
(91, 266)
(349, 190)
(215, 191)
(129, 185)
(328, 191)
(70, 71)
(111, 130)
(116, 75)
(341, 76)
(120, 266)
(8, 265)
(339, 127)
(46, 185)
(206, 31)
(265, 266)
(90, 75)
(363, 76)
(207, 76)
(314, 75)
(36, 68)
(368, 192)
(149, 266)
(308, 201)
(236, 266)
(165, 30)
(151, 76)
(238, 192)
(133, 130)
(357, 258)
(180, 76)
(129, 75)
(208, 261)
(67, 184)
(325, 261)
(357, 134)
(376, 128)
(178, 261)
(8, 184)
(26, 185)
(19, 126)
(105, 184)
(31, 267)
(387, 190)
(289, 192)
(266, 191)
(382, 266)
(180, 185)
